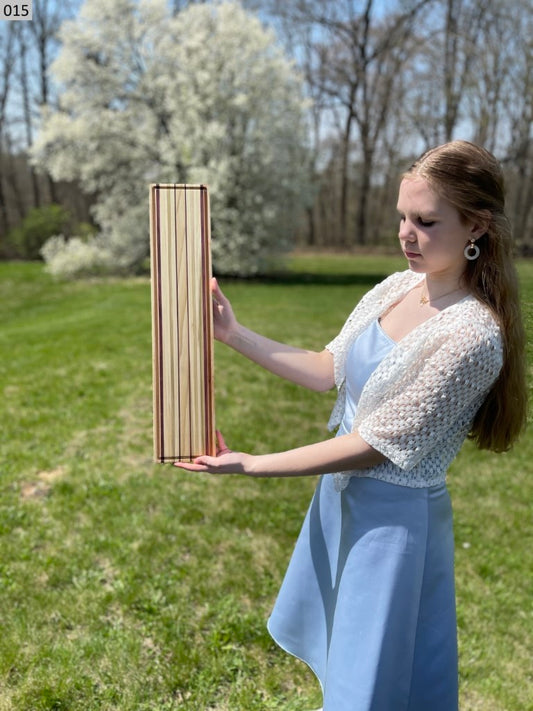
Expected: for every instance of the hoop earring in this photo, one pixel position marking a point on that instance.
(472, 251)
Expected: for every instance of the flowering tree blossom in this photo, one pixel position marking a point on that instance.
(205, 96)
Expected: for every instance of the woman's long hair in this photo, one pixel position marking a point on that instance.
(471, 179)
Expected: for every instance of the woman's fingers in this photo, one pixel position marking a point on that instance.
(206, 463)
(222, 447)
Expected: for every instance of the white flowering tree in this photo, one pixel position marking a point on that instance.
(205, 96)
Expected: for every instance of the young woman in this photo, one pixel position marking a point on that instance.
(428, 357)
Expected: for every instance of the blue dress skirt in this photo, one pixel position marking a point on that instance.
(368, 600)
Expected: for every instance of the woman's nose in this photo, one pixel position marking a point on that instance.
(406, 232)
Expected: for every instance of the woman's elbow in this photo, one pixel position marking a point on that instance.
(324, 377)
(324, 386)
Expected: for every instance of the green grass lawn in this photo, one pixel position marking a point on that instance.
(133, 586)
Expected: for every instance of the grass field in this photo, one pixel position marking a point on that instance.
(128, 585)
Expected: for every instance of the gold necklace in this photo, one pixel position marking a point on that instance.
(425, 299)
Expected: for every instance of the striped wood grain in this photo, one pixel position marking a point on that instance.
(182, 322)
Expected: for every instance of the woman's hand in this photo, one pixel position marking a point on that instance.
(225, 462)
(224, 319)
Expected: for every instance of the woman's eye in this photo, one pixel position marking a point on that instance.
(426, 223)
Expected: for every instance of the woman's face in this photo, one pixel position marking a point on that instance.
(432, 234)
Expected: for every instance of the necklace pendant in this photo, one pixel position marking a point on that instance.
(423, 300)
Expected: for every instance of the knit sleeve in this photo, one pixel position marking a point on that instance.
(437, 392)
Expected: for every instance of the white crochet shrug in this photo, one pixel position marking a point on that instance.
(417, 407)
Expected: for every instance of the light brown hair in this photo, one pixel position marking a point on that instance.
(471, 179)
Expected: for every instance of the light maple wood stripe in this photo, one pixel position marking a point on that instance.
(182, 322)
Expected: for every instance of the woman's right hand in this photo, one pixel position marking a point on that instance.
(224, 319)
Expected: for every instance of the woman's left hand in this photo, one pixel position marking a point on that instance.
(225, 462)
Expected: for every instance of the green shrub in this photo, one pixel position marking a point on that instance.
(36, 228)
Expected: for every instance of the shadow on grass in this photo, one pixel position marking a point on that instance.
(314, 279)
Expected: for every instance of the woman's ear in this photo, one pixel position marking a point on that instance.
(480, 224)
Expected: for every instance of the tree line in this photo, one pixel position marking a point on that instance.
(390, 82)
(381, 81)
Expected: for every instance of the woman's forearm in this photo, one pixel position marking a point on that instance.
(313, 370)
(308, 368)
(344, 453)
(338, 454)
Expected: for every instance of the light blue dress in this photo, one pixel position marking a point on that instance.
(368, 600)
